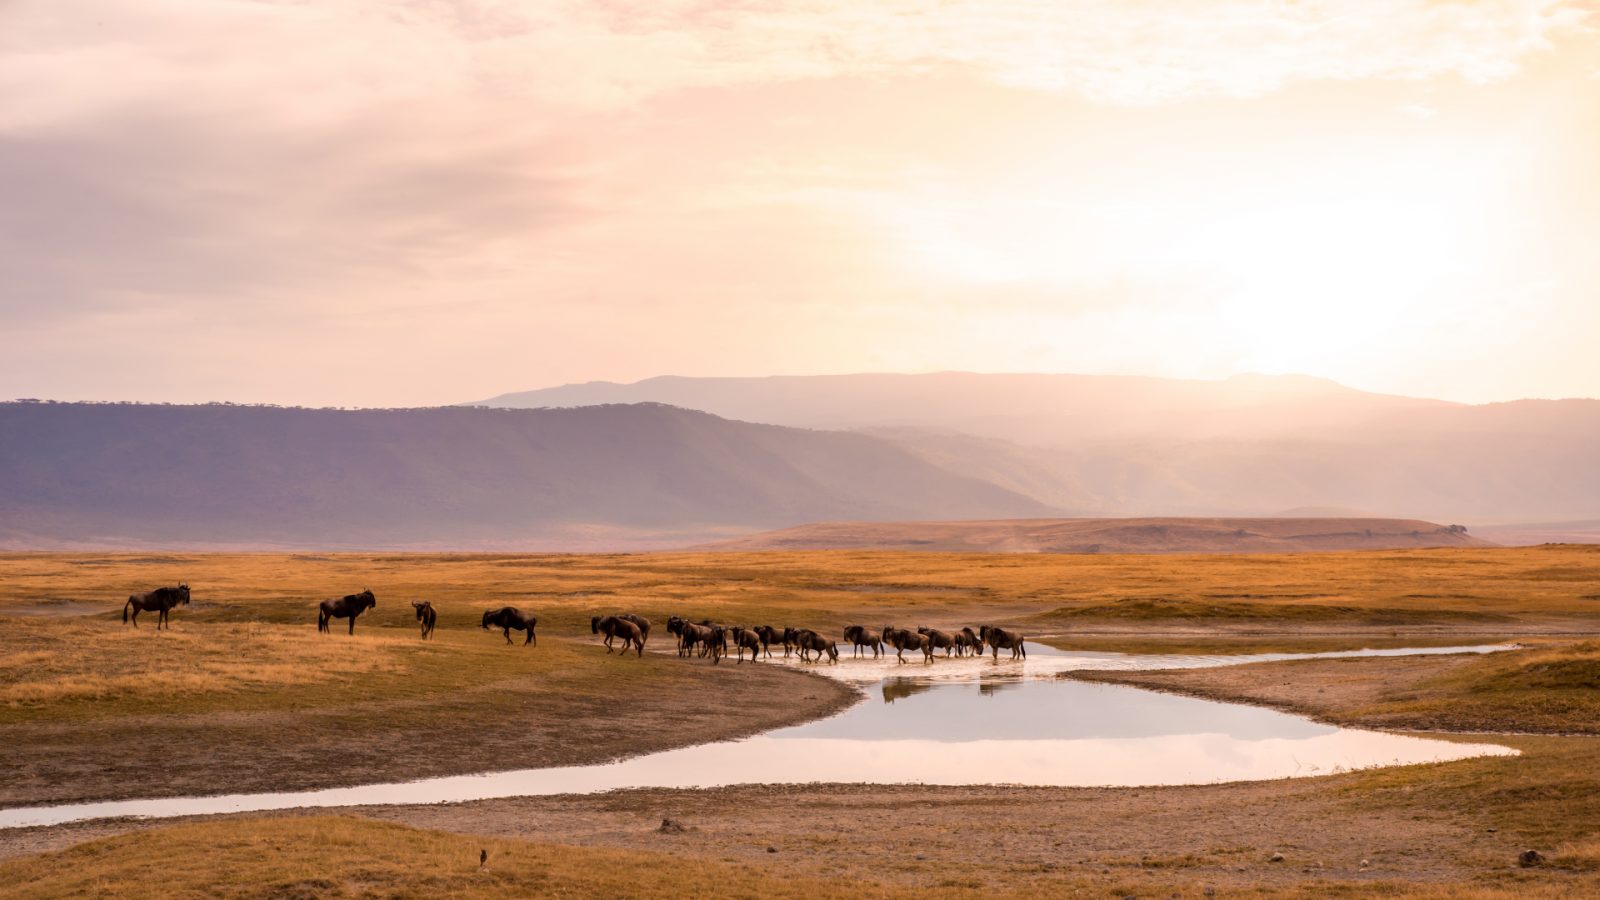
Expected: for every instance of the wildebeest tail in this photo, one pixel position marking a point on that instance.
(125, 610)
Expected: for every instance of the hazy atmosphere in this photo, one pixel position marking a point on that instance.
(1130, 448)
(356, 202)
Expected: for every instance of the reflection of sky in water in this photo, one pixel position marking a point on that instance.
(1046, 709)
(955, 722)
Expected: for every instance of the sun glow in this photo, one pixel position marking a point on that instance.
(1290, 270)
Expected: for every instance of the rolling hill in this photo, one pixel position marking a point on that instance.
(1245, 446)
(1152, 535)
(608, 477)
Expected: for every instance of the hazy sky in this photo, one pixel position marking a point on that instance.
(372, 202)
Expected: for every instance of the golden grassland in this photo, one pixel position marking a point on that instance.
(247, 641)
(1539, 689)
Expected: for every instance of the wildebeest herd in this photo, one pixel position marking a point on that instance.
(703, 639)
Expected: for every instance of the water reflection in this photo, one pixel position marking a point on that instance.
(975, 722)
(901, 688)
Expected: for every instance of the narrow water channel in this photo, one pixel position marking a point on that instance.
(956, 722)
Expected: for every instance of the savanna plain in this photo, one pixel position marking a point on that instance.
(242, 695)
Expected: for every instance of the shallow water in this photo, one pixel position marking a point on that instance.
(956, 722)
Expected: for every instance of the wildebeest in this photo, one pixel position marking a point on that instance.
(810, 642)
(722, 633)
(614, 627)
(707, 637)
(902, 639)
(162, 600)
(967, 639)
(426, 617)
(644, 626)
(508, 617)
(858, 636)
(747, 639)
(999, 637)
(770, 636)
(938, 639)
(347, 607)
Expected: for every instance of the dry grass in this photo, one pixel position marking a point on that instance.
(247, 640)
(348, 857)
(1545, 689)
(329, 856)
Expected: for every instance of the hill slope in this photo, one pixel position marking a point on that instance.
(1154, 535)
(613, 476)
(1247, 446)
(1046, 410)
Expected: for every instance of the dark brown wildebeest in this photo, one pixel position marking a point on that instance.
(902, 639)
(508, 617)
(347, 607)
(770, 636)
(162, 600)
(858, 636)
(938, 640)
(999, 637)
(746, 639)
(722, 635)
(426, 617)
(967, 639)
(614, 627)
(810, 642)
(691, 635)
(644, 626)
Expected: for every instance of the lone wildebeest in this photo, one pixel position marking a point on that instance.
(810, 642)
(426, 617)
(999, 637)
(508, 617)
(747, 639)
(162, 600)
(347, 607)
(902, 639)
(614, 627)
(858, 636)
(967, 639)
(938, 639)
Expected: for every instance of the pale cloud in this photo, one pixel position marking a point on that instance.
(554, 190)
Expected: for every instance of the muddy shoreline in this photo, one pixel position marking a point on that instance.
(513, 724)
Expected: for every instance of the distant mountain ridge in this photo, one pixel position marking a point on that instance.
(1034, 409)
(610, 477)
(1142, 535)
(1132, 446)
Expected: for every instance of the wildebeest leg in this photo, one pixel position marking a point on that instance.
(529, 638)
(352, 624)
(507, 632)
